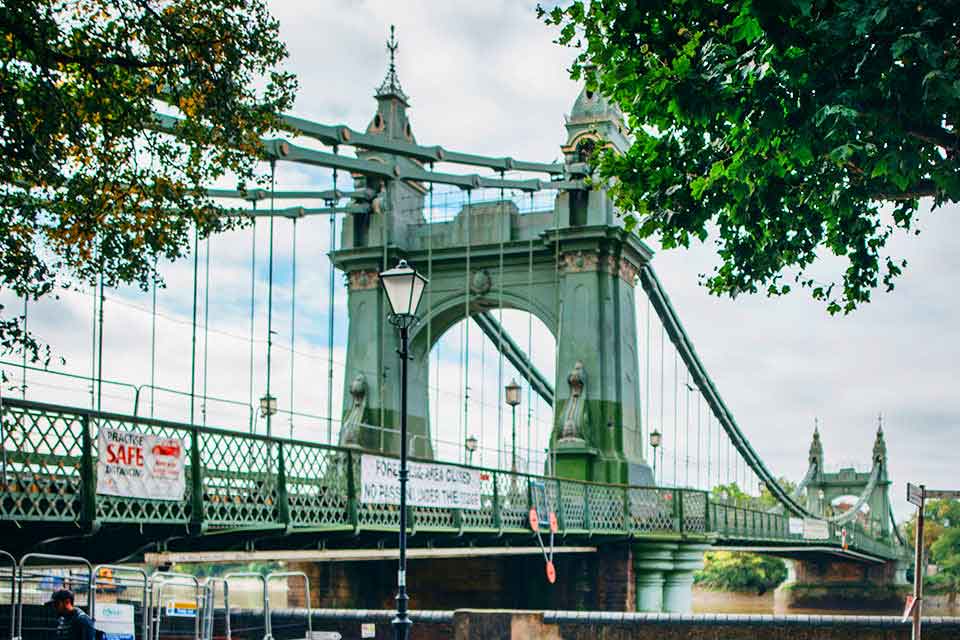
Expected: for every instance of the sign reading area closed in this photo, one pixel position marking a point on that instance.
(137, 465)
(429, 485)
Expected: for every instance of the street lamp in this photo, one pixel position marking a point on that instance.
(655, 439)
(404, 287)
(268, 406)
(512, 392)
(470, 445)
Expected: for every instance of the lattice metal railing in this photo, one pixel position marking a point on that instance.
(238, 481)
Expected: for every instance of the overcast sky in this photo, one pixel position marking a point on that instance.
(486, 78)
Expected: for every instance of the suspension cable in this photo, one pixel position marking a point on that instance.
(293, 320)
(253, 287)
(330, 308)
(699, 405)
(500, 390)
(432, 414)
(530, 429)
(153, 339)
(686, 437)
(193, 341)
(676, 410)
(273, 174)
(663, 386)
(23, 369)
(646, 420)
(468, 219)
(206, 329)
(93, 334)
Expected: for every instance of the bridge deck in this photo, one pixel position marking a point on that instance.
(241, 483)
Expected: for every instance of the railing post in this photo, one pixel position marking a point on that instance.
(586, 508)
(352, 493)
(196, 481)
(88, 475)
(283, 501)
(561, 516)
(627, 520)
(497, 521)
(707, 513)
(680, 510)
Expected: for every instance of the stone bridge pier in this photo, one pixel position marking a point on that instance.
(644, 577)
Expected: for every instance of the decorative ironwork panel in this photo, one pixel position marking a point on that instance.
(514, 500)
(239, 480)
(694, 511)
(434, 518)
(605, 503)
(651, 510)
(573, 501)
(41, 464)
(484, 517)
(317, 489)
(118, 509)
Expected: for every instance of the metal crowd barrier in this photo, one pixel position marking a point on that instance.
(158, 606)
(36, 584)
(171, 618)
(8, 598)
(248, 606)
(291, 628)
(121, 590)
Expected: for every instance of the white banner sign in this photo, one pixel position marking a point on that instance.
(114, 620)
(429, 485)
(796, 526)
(137, 465)
(814, 529)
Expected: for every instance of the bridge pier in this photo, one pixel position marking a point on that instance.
(663, 574)
(840, 584)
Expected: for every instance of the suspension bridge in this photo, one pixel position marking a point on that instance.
(525, 237)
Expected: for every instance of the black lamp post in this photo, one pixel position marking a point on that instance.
(404, 287)
(655, 439)
(512, 393)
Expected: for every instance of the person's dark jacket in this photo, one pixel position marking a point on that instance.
(76, 625)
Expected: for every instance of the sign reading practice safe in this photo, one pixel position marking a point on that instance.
(429, 485)
(138, 465)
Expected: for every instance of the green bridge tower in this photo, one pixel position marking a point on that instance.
(572, 266)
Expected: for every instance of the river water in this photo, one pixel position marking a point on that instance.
(705, 601)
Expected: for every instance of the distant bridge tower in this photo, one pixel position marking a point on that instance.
(871, 489)
(573, 266)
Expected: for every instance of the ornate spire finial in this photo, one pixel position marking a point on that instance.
(391, 83)
(880, 423)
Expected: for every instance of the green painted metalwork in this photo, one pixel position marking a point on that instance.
(240, 481)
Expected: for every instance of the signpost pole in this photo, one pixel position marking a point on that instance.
(918, 567)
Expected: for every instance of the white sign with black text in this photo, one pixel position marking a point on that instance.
(429, 485)
(139, 465)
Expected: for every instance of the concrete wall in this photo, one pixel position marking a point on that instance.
(584, 625)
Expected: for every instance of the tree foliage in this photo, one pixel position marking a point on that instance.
(740, 571)
(88, 189)
(782, 127)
